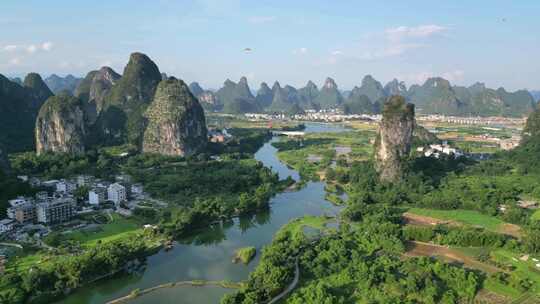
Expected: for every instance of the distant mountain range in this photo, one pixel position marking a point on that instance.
(58, 84)
(114, 104)
(435, 96)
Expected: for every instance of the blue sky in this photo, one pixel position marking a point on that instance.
(496, 42)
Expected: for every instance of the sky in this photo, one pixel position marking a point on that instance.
(496, 42)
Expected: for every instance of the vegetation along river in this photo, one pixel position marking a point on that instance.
(207, 255)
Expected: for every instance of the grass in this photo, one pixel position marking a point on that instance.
(468, 217)
(297, 226)
(536, 216)
(119, 228)
(296, 153)
(245, 254)
(523, 269)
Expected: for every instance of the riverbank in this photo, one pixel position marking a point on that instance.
(195, 283)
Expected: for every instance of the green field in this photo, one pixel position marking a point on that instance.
(118, 228)
(523, 269)
(468, 217)
(297, 153)
(297, 226)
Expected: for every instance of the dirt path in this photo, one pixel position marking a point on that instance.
(291, 287)
(415, 249)
(420, 220)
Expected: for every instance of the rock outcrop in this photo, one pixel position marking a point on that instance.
(394, 140)
(371, 88)
(329, 95)
(207, 98)
(18, 111)
(395, 87)
(264, 96)
(175, 121)
(121, 118)
(60, 126)
(93, 89)
(37, 89)
(236, 97)
(308, 94)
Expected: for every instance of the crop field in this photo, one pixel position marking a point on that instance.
(467, 217)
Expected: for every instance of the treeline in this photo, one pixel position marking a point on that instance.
(459, 236)
(57, 275)
(357, 264)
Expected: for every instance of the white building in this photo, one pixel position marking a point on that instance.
(84, 180)
(6, 225)
(136, 189)
(65, 186)
(116, 193)
(97, 196)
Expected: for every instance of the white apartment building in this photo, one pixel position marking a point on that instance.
(116, 193)
(65, 186)
(97, 196)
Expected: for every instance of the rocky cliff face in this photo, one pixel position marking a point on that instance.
(102, 83)
(175, 121)
(93, 89)
(394, 140)
(60, 126)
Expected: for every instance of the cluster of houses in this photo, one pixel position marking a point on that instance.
(59, 205)
(327, 115)
(437, 150)
(473, 120)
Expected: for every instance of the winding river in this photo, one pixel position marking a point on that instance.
(208, 254)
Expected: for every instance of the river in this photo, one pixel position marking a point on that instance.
(207, 255)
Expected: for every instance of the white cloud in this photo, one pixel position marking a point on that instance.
(454, 76)
(261, 19)
(31, 48)
(15, 61)
(337, 53)
(9, 48)
(300, 51)
(47, 46)
(405, 32)
(399, 40)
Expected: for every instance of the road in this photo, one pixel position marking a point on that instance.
(291, 286)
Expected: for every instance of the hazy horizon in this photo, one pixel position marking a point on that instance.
(205, 40)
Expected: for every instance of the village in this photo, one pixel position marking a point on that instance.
(63, 204)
